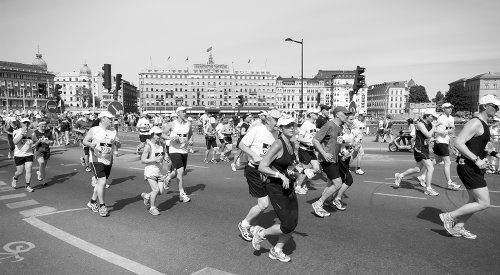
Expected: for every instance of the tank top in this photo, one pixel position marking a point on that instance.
(180, 130)
(281, 164)
(477, 144)
(43, 136)
(155, 169)
(420, 138)
(103, 152)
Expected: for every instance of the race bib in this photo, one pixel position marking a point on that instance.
(340, 139)
(265, 148)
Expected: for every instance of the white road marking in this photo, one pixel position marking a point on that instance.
(392, 195)
(20, 204)
(495, 206)
(37, 211)
(204, 167)
(71, 164)
(91, 248)
(13, 196)
(369, 181)
(227, 178)
(211, 270)
(2, 183)
(6, 189)
(491, 191)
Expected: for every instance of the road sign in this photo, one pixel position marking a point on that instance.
(116, 108)
(53, 119)
(352, 107)
(51, 106)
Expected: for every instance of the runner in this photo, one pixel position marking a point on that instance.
(306, 153)
(471, 144)
(424, 132)
(220, 136)
(227, 132)
(180, 136)
(143, 125)
(328, 141)
(256, 144)
(65, 127)
(323, 116)
(153, 156)
(247, 120)
(190, 147)
(210, 140)
(11, 125)
(81, 128)
(44, 140)
(279, 187)
(23, 153)
(359, 153)
(101, 140)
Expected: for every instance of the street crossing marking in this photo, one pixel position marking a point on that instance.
(20, 204)
(210, 270)
(6, 189)
(37, 211)
(196, 166)
(13, 196)
(369, 181)
(92, 249)
(392, 195)
(2, 183)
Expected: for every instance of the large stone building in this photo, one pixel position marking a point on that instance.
(478, 86)
(19, 84)
(388, 98)
(206, 87)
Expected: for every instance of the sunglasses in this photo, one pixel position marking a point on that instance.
(158, 134)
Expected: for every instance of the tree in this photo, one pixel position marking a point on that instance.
(439, 97)
(418, 94)
(458, 98)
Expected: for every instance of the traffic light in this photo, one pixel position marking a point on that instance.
(241, 100)
(107, 76)
(118, 86)
(41, 89)
(359, 79)
(57, 91)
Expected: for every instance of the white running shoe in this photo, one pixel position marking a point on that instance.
(38, 176)
(397, 179)
(233, 167)
(431, 192)
(184, 198)
(14, 183)
(29, 189)
(309, 173)
(145, 198)
(154, 211)
(453, 186)
(421, 180)
(359, 171)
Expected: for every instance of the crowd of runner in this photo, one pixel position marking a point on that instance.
(280, 157)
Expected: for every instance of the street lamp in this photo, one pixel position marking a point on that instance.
(301, 42)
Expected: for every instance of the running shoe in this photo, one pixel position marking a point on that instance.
(38, 176)
(191, 151)
(184, 198)
(88, 169)
(82, 161)
(8, 155)
(256, 237)
(359, 171)
(103, 211)
(319, 211)
(431, 192)
(213, 161)
(300, 191)
(462, 232)
(233, 167)
(280, 256)
(154, 211)
(45, 184)
(145, 197)
(453, 186)
(206, 161)
(93, 207)
(29, 189)
(397, 179)
(14, 182)
(339, 205)
(421, 180)
(238, 163)
(245, 232)
(309, 173)
(448, 223)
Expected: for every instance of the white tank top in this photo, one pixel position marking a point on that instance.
(155, 169)
(103, 152)
(180, 130)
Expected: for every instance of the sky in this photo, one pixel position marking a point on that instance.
(435, 42)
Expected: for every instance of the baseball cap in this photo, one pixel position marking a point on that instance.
(431, 112)
(312, 111)
(212, 120)
(25, 120)
(447, 105)
(275, 113)
(324, 107)
(38, 116)
(105, 114)
(181, 108)
(285, 120)
(340, 109)
(190, 119)
(489, 99)
(43, 122)
(155, 130)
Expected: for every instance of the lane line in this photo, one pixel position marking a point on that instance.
(196, 166)
(2, 183)
(13, 196)
(491, 191)
(20, 204)
(6, 189)
(91, 248)
(37, 211)
(211, 270)
(369, 181)
(392, 195)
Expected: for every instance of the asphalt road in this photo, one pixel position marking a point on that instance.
(384, 230)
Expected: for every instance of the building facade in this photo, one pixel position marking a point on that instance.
(477, 87)
(418, 109)
(211, 87)
(19, 85)
(388, 98)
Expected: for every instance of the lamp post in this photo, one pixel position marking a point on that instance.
(301, 42)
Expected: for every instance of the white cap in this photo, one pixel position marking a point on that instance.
(105, 114)
(180, 108)
(431, 112)
(25, 120)
(212, 120)
(190, 119)
(263, 113)
(275, 113)
(446, 105)
(38, 116)
(489, 99)
(155, 130)
(285, 120)
(313, 111)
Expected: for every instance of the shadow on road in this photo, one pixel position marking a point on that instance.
(166, 205)
(442, 232)
(61, 178)
(120, 204)
(430, 214)
(409, 185)
(120, 180)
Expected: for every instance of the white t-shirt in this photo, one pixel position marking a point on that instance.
(154, 169)
(258, 139)
(308, 130)
(23, 147)
(218, 129)
(104, 138)
(444, 123)
(182, 131)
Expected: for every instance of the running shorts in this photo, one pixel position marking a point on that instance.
(284, 202)
(179, 160)
(441, 149)
(331, 170)
(22, 160)
(86, 150)
(228, 139)
(143, 138)
(255, 182)
(210, 142)
(421, 153)
(471, 176)
(100, 169)
(305, 156)
(45, 155)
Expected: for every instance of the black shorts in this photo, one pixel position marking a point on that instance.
(45, 155)
(179, 160)
(284, 202)
(256, 185)
(331, 170)
(228, 139)
(86, 150)
(421, 153)
(471, 176)
(210, 142)
(143, 138)
(222, 141)
(441, 149)
(22, 160)
(100, 169)
(306, 156)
